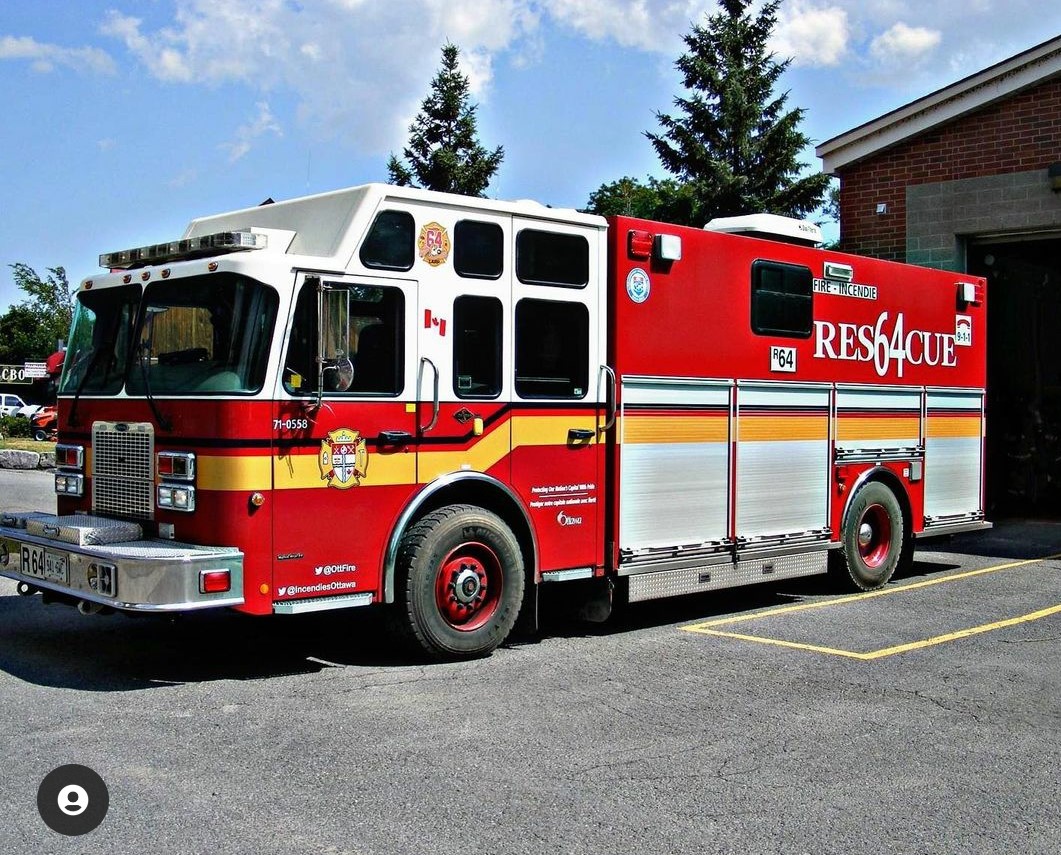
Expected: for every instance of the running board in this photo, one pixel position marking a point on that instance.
(322, 604)
(712, 577)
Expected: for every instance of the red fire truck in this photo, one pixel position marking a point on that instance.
(439, 404)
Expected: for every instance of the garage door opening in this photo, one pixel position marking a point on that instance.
(1023, 374)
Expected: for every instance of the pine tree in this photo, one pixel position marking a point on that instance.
(443, 152)
(732, 142)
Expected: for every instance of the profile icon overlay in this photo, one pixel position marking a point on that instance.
(73, 800)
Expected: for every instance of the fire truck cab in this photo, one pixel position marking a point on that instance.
(438, 403)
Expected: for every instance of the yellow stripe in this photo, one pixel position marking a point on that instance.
(962, 633)
(709, 627)
(778, 642)
(781, 428)
(886, 651)
(479, 457)
(301, 471)
(661, 429)
(233, 473)
(899, 427)
(548, 430)
(941, 427)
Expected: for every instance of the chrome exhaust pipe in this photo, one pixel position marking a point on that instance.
(87, 608)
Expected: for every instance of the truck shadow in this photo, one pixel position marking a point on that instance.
(57, 647)
(1016, 539)
(563, 622)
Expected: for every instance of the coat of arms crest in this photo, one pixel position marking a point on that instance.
(343, 458)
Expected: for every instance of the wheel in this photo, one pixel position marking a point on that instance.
(459, 583)
(40, 434)
(872, 540)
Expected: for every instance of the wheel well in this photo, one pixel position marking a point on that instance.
(890, 480)
(480, 491)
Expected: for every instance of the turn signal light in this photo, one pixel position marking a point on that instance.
(70, 457)
(177, 465)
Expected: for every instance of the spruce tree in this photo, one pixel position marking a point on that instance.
(733, 144)
(443, 152)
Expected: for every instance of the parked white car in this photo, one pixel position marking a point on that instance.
(28, 411)
(10, 405)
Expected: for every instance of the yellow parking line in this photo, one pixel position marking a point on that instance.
(709, 627)
(962, 633)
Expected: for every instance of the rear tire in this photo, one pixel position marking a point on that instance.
(873, 539)
(459, 584)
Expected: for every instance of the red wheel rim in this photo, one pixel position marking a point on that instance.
(468, 586)
(874, 535)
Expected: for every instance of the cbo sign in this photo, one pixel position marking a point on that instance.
(14, 374)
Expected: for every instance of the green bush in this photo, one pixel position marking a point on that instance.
(12, 427)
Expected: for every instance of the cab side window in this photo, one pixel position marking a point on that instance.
(389, 244)
(376, 321)
(552, 258)
(552, 349)
(477, 347)
(478, 249)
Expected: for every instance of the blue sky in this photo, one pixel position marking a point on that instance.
(124, 120)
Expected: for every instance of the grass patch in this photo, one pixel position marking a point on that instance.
(23, 444)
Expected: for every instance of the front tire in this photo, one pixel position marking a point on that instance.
(460, 583)
(872, 539)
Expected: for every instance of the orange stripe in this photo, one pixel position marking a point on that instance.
(896, 427)
(783, 428)
(940, 427)
(659, 429)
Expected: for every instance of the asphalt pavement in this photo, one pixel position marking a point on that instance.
(776, 719)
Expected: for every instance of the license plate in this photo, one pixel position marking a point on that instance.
(33, 561)
(56, 568)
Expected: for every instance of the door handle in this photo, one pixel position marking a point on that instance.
(419, 380)
(395, 437)
(580, 434)
(611, 400)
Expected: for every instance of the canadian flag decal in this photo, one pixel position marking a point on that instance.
(430, 321)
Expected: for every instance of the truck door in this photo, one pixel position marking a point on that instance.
(557, 402)
(343, 459)
(462, 318)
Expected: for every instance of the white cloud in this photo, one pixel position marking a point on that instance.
(904, 44)
(652, 25)
(45, 57)
(811, 35)
(263, 123)
(357, 68)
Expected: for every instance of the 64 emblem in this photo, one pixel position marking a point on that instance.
(343, 458)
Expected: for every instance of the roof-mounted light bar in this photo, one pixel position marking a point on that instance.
(160, 253)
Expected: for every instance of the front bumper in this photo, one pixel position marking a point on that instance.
(147, 575)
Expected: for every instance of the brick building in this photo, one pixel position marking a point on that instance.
(969, 179)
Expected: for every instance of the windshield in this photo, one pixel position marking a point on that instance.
(99, 341)
(201, 336)
(207, 335)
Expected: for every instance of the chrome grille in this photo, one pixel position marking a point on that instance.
(123, 474)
